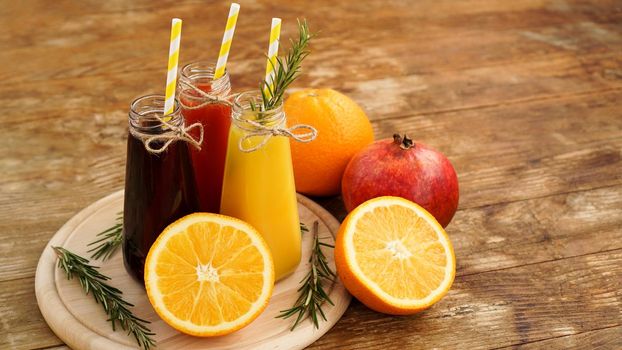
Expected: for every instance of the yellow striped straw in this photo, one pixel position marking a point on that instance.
(273, 52)
(227, 38)
(173, 61)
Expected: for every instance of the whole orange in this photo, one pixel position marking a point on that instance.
(343, 129)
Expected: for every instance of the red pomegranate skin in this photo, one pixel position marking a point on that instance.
(418, 173)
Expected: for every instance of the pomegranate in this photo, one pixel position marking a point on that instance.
(400, 167)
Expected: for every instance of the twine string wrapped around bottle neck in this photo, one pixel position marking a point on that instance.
(158, 143)
(206, 98)
(259, 129)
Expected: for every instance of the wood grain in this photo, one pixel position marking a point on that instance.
(22, 324)
(606, 338)
(523, 96)
(499, 308)
(529, 150)
(537, 230)
(387, 96)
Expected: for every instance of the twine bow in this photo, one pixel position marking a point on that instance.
(267, 132)
(176, 133)
(207, 97)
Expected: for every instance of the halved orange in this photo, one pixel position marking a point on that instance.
(209, 274)
(394, 257)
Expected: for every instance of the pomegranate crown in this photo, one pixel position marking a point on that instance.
(404, 142)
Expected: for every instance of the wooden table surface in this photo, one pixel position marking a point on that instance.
(524, 97)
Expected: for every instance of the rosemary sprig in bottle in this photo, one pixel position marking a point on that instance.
(286, 70)
(108, 240)
(311, 292)
(94, 282)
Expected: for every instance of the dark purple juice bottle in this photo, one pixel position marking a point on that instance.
(159, 187)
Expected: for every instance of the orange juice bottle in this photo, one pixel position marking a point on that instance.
(258, 184)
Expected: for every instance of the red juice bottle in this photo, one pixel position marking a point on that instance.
(206, 100)
(159, 187)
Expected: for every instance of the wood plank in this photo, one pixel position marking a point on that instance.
(488, 10)
(515, 152)
(498, 308)
(382, 95)
(480, 33)
(537, 230)
(111, 18)
(22, 326)
(107, 100)
(446, 8)
(398, 96)
(607, 338)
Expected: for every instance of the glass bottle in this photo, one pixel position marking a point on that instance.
(159, 187)
(206, 100)
(258, 185)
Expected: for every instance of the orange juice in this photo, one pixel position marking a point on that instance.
(258, 185)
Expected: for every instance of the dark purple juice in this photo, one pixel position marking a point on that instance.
(159, 189)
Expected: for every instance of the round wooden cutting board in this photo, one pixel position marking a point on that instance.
(81, 323)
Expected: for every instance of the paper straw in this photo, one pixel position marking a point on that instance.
(227, 38)
(273, 51)
(173, 61)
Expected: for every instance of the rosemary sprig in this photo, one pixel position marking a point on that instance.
(303, 227)
(108, 241)
(287, 70)
(311, 292)
(94, 282)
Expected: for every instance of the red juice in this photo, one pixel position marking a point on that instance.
(159, 188)
(214, 113)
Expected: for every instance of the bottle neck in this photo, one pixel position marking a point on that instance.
(200, 76)
(146, 114)
(246, 112)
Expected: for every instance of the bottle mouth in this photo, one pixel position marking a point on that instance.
(200, 74)
(146, 112)
(247, 107)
